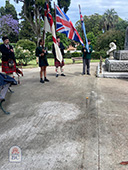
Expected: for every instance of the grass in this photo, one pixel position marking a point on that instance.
(33, 64)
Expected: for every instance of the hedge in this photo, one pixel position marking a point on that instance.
(95, 55)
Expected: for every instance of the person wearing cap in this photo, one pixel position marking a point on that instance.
(43, 63)
(57, 63)
(8, 56)
(87, 58)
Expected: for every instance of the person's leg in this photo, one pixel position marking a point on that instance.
(37, 60)
(57, 74)
(88, 66)
(62, 71)
(41, 74)
(45, 79)
(84, 64)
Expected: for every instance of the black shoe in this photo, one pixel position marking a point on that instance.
(83, 74)
(63, 74)
(41, 81)
(46, 79)
(89, 74)
(57, 75)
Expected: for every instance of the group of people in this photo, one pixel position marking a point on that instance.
(43, 63)
(9, 61)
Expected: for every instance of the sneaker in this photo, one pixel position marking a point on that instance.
(63, 74)
(57, 75)
(46, 80)
(41, 81)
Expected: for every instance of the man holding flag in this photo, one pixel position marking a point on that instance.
(87, 57)
(86, 50)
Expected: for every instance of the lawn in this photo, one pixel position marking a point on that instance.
(51, 62)
(33, 63)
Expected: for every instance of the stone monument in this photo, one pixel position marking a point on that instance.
(116, 66)
(110, 52)
(126, 40)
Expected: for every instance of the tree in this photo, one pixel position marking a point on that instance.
(64, 4)
(2, 11)
(32, 11)
(121, 25)
(26, 31)
(9, 26)
(92, 37)
(92, 24)
(64, 40)
(109, 19)
(8, 9)
(104, 40)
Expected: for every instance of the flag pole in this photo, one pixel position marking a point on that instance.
(55, 16)
(81, 23)
(44, 33)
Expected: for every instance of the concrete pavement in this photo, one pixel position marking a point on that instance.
(57, 128)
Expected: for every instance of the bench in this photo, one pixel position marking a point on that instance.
(76, 59)
(3, 91)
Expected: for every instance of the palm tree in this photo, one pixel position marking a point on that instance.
(109, 19)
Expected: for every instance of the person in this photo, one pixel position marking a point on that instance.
(43, 63)
(57, 63)
(8, 56)
(87, 58)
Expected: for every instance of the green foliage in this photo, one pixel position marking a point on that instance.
(67, 55)
(92, 37)
(109, 19)
(96, 55)
(76, 54)
(104, 40)
(26, 31)
(8, 9)
(27, 45)
(33, 11)
(92, 24)
(2, 11)
(79, 47)
(121, 25)
(25, 51)
(23, 56)
(63, 38)
(64, 4)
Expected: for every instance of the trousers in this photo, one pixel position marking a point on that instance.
(86, 62)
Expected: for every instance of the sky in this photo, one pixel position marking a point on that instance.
(88, 8)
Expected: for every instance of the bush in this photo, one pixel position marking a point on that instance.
(24, 51)
(104, 40)
(76, 54)
(27, 45)
(67, 55)
(24, 56)
(96, 55)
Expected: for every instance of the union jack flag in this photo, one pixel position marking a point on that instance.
(64, 25)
